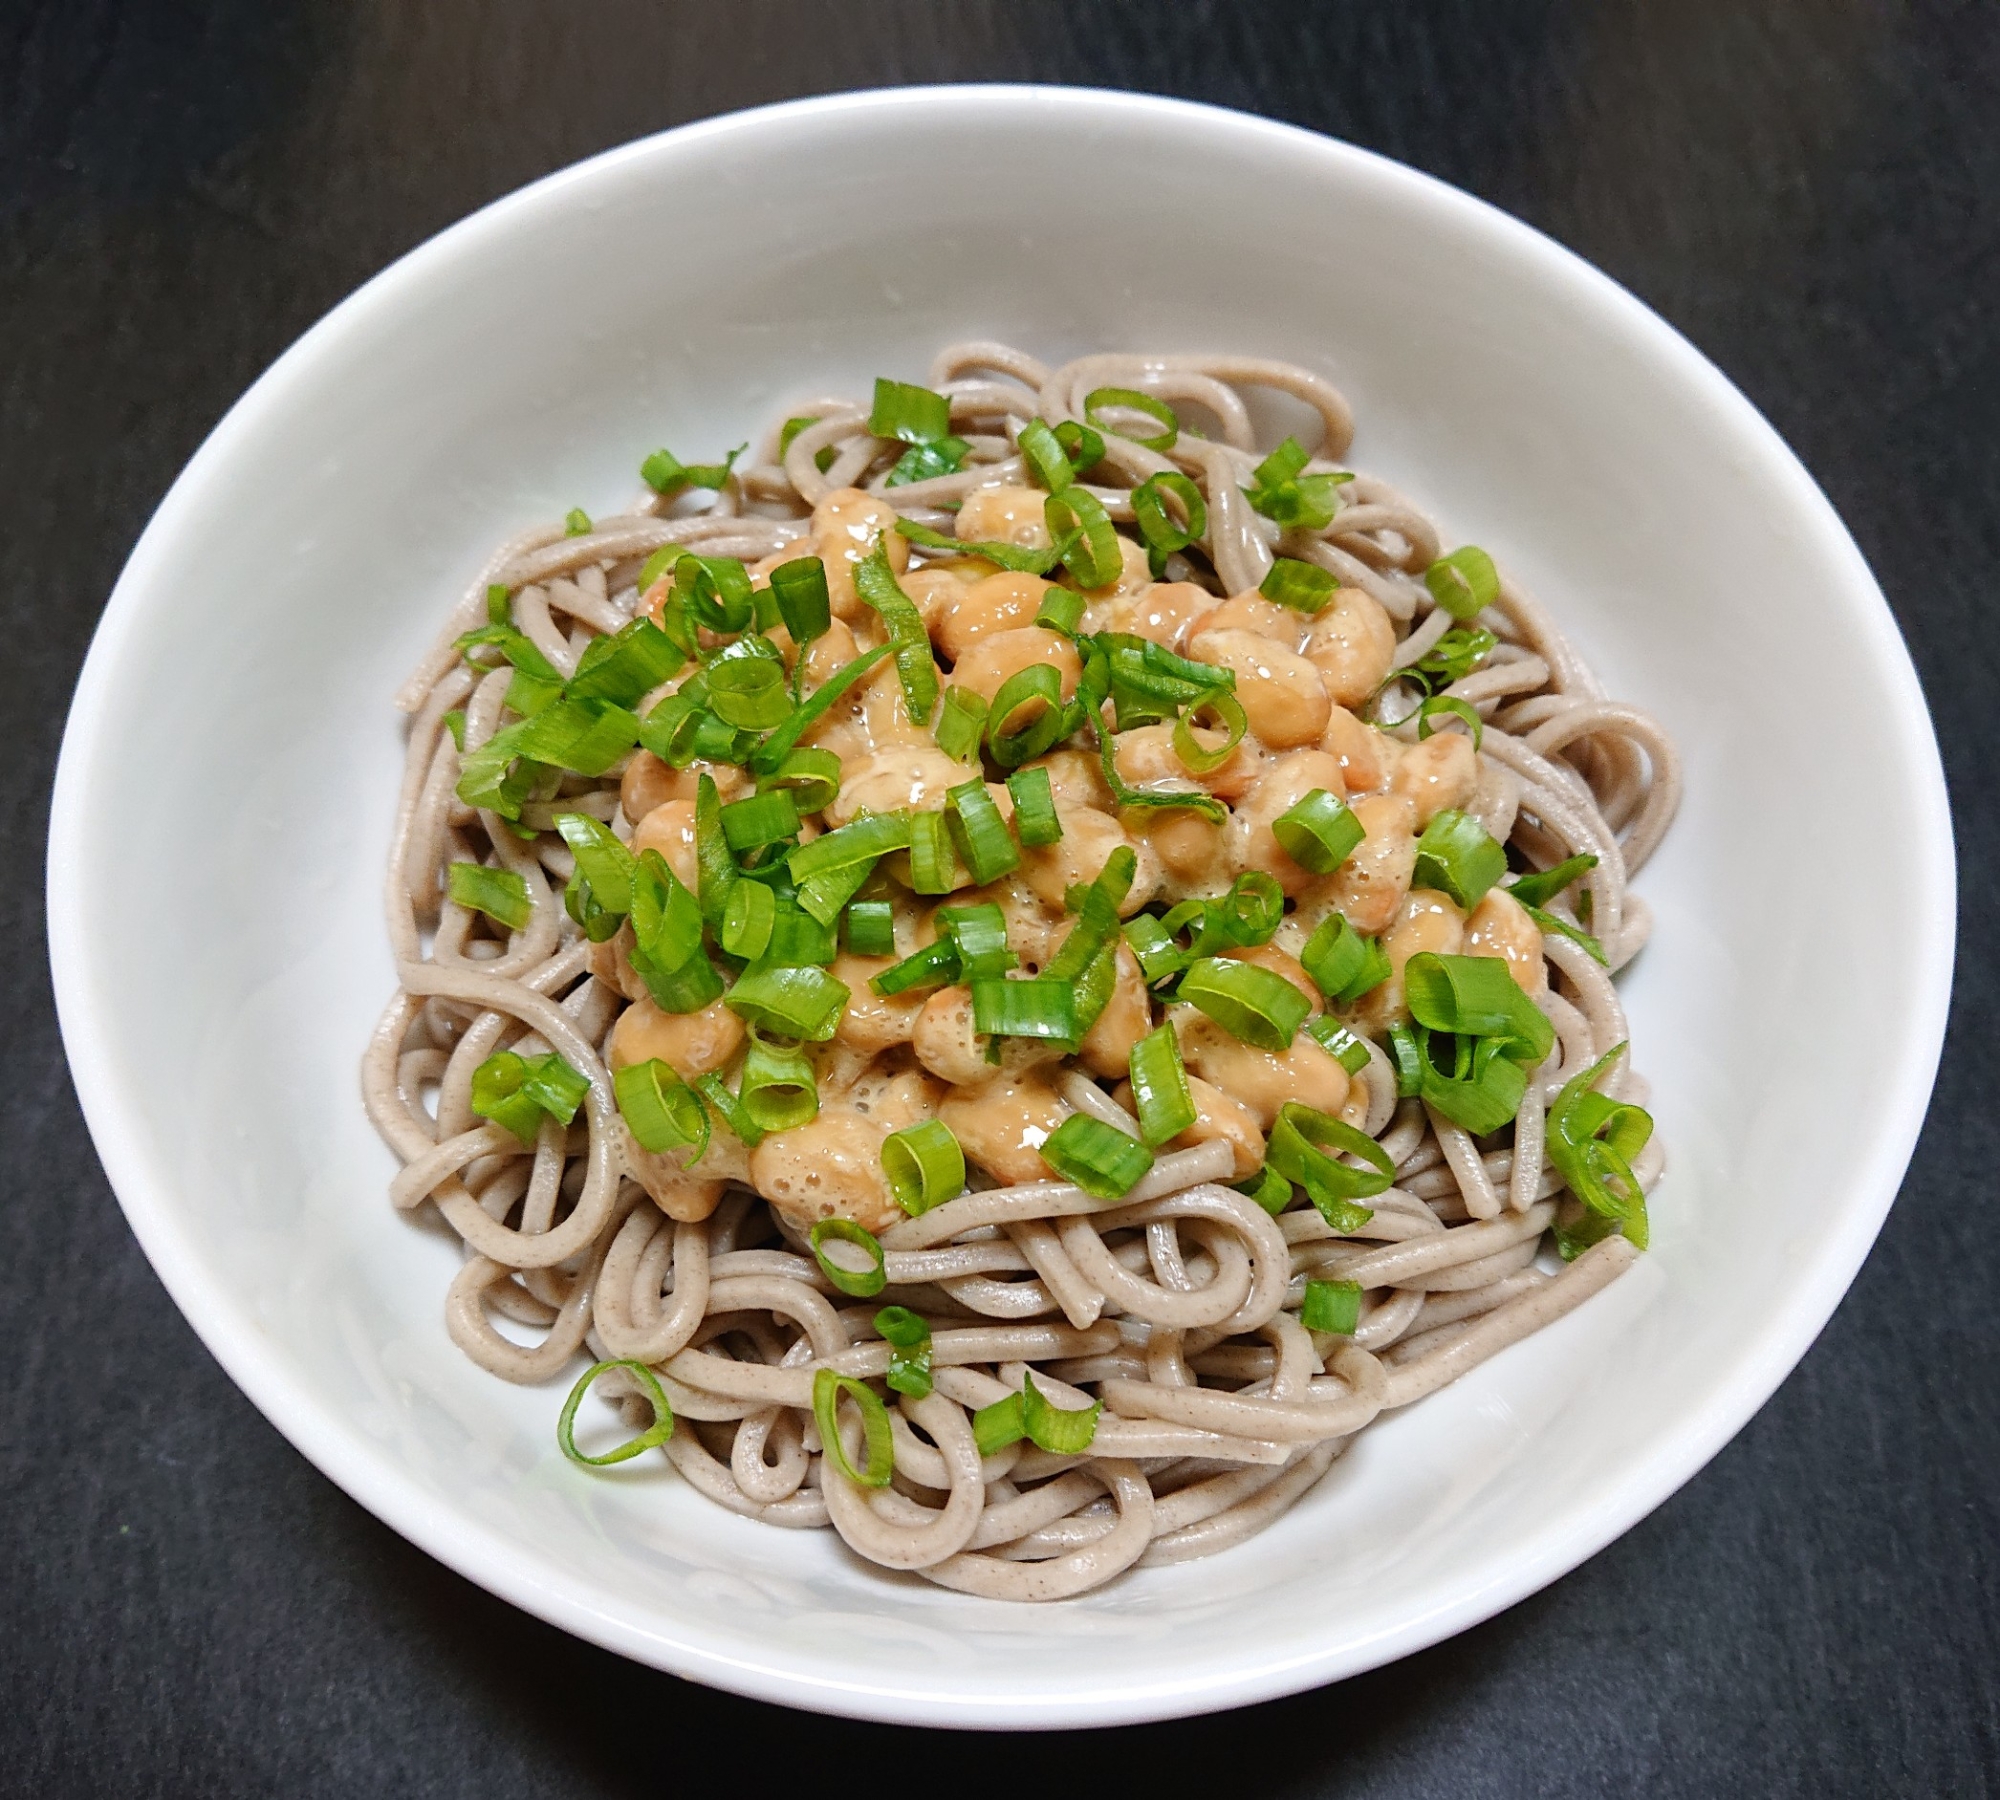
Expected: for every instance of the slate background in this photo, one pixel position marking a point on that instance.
(1811, 192)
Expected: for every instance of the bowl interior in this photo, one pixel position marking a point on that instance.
(680, 292)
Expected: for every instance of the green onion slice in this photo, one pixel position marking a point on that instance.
(800, 589)
(1132, 400)
(576, 523)
(863, 1284)
(979, 934)
(749, 692)
(1463, 583)
(1061, 610)
(665, 473)
(933, 860)
(999, 1425)
(1457, 708)
(936, 965)
(1332, 1306)
(1251, 912)
(500, 894)
(981, 833)
(1477, 996)
(1035, 820)
(1062, 1431)
(1205, 759)
(1408, 1058)
(1048, 459)
(1082, 444)
(727, 1107)
(1099, 1158)
(1457, 856)
(1096, 926)
(768, 818)
(923, 1165)
(1305, 587)
(798, 938)
(747, 920)
(1305, 1146)
(654, 1435)
(1037, 1008)
(1160, 1087)
(1539, 889)
(778, 1089)
(1193, 800)
(854, 845)
(625, 666)
(1343, 964)
(715, 868)
(1593, 1141)
(1319, 833)
(1247, 1001)
(812, 776)
(1548, 922)
(961, 723)
(716, 591)
(911, 414)
(871, 928)
(1038, 686)
(909, 1339)
(925, 462)
(1093, 558)
(875, 585)
(771, 753)
(881, 1464)
(1291, 498)
(1480, 1089)
(1160, 958)
(1269, 1189)
(789, 1001)
(1338, 1042)
(660, 1110)
(1007, 556)
(588, 736)
(1162, 534)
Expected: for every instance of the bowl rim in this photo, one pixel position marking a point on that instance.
(145, 1186)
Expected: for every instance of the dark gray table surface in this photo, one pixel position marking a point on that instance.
(1810, 192)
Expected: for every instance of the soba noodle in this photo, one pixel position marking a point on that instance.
(1076, 1355)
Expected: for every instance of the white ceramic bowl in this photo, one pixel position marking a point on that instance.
(219, 957)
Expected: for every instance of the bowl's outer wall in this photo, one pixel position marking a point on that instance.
(683, 291)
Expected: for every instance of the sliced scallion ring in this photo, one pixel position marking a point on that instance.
(1037, 1008)
(660, 1110)
(1035, 820)
(1465, 582)
(800, 589)
(749, 692)
(1332, 1306)
(1305, 1146)
(1060, 1430)
(792, 1002)
(933, 860)
(500, 894)
(1162, 534)
(961, 722)
(1456, 855)
(828, 1387)
(981, 833)
(812, 776)
(863, 1284)
(1099, 1158)
(1132, 400)
(1160, 1087)
(923, 1165)
(1305, 587)
(1093, 558)
(1319, 833)
(871, 928)
(1435, 704)
(1248, 1001)
(768, 818)
(1204, 759)
(654, 1435)
(909, 1339)
(747, 921)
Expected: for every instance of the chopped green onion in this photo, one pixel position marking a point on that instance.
(1298, 1149)
(669, 730)
(1131, 400)
(1149, 940)
(576, 523)
(1268, 1189)
(729, 1109)
(812, 776)
(1093, 558)
(665, 473)
(981, 833)
(798, 938)
(749, 692)
(654, 1435)
(1007, 556)
(515, 647)
(1338, 1042)
(792, 428)
(1593, 1141)
(588, 736)
(1194, 800)
(1477, 996)
(1251, 912)
(923, 1165)
(772, 752)
(1096, 926)
(800, 588)
(499, 604)
(1160, 1087)
(1408, 1058)
(769, 818)
(997, 1426)
(599, 894)
(909, 1338)
(1304, 587)
(1094, 990)
(626, 665)
(1047, 458)
(933, 860)
(1481, 1090)
(1452, 657)
(666, 919)
(716, 591)
(500, 894)
(1039, 685)
(979, 934)
(1162, 534)
(1081, 444)
(1205, 759)
(715, 868)
(871, 928)
(789, 1001)
(1332, 1306)
(661, 562)
(1548, 922)
(881, 1464)
(1038, 1008)
(1457, 857)
(1099, 1158)
(515, 1091)
(1343, 964)
(1247, 1001)
(911, 414)
(778, 1089)
(454, 722)
(936, 965)
(926, 462)
(660, 1110)
(1284, 494)
(863, 1285)
(1448, 703)
(1539, 889)
(746, 921)
(1319, 833)
(1060, 1430)
(1463, 583)
(875, 586)
(961, 723)
(1035, 820)
(860, 843)
(1061, 610)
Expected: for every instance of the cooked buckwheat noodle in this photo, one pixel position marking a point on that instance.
(1177, 1305)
